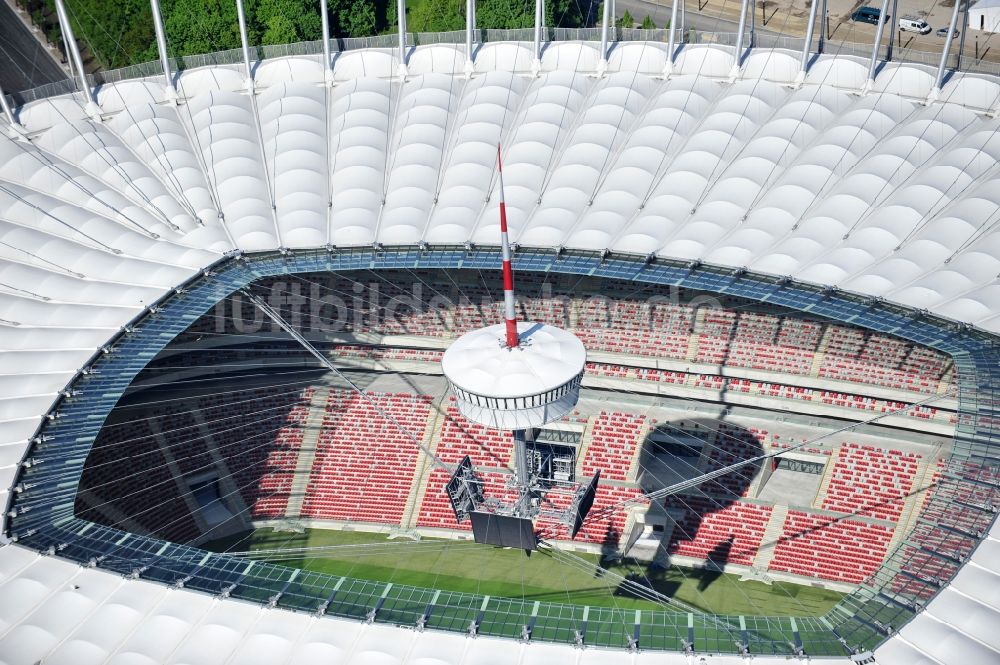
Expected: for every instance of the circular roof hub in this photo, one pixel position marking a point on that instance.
(526, 386)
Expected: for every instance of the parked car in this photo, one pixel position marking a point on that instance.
(867, 15)
(943, 32)
(914, 24)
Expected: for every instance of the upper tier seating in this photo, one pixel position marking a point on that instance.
(853, 355)
(614, 319)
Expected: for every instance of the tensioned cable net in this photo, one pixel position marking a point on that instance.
(727, 488)
(773, 480)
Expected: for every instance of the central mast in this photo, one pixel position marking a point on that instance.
(509, 311)
(518, 378)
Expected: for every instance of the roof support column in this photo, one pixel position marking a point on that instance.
(892, 32)
(6, 108)
(470, 31)
(939, 79)
(161, 47)
(807, 45)
(16, 128)
(882, 20)
(536, 64)
(962, 33)
(327, 59)
(401, 21)
(90, 103)
(738, 51)
(824, 23)
(244, 41)
(668, 68)
(602, 65)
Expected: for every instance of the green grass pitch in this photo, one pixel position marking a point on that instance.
(468, 567)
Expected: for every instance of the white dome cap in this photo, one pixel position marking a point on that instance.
(528, 386)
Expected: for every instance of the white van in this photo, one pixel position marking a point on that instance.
(914, 24)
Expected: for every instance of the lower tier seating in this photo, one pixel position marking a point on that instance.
(613, 444)
(485, 446)
(364, 464)
(726, 532)
(869, 481)
(839, 549)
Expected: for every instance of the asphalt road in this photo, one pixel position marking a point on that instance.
(24, 64)
(660, 13)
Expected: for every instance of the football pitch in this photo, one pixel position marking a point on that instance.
(479, 569)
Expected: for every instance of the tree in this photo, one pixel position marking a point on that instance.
(115, 33)
(563, 13)
(120, 32)
(626, 21)
(204, 26)
(436, 16)
(295, 20)
(358, 19)
(505, 14)
(279, 30)
(647, 23)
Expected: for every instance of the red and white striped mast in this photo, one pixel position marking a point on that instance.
(509, 311)
(518, 393)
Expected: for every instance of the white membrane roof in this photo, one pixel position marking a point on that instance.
(547, 358)
(875, 193)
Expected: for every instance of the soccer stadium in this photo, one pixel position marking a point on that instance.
(599, 346)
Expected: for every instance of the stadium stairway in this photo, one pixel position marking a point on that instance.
(926, 468)
(585, 440)
(694, 339)
(640, 439)
(772, 532)
(307, 452)
(431, 435)
(820, 355)
(824, 483)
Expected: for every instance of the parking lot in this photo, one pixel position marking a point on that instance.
(789, 17)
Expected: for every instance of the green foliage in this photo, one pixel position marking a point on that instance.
(505, 14)
(647, 23)
(117, 33)
(561, 13)
(203, 26)
(279, 30)
(626, 21)
(357, 19)
(289, 20)
(114, 33)
(436, 16)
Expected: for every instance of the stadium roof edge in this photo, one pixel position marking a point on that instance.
(107, 253)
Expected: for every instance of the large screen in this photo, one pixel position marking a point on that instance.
(503, 530)
(464, 489)
(586, 502)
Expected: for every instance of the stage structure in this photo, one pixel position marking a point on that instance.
(516, 376)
